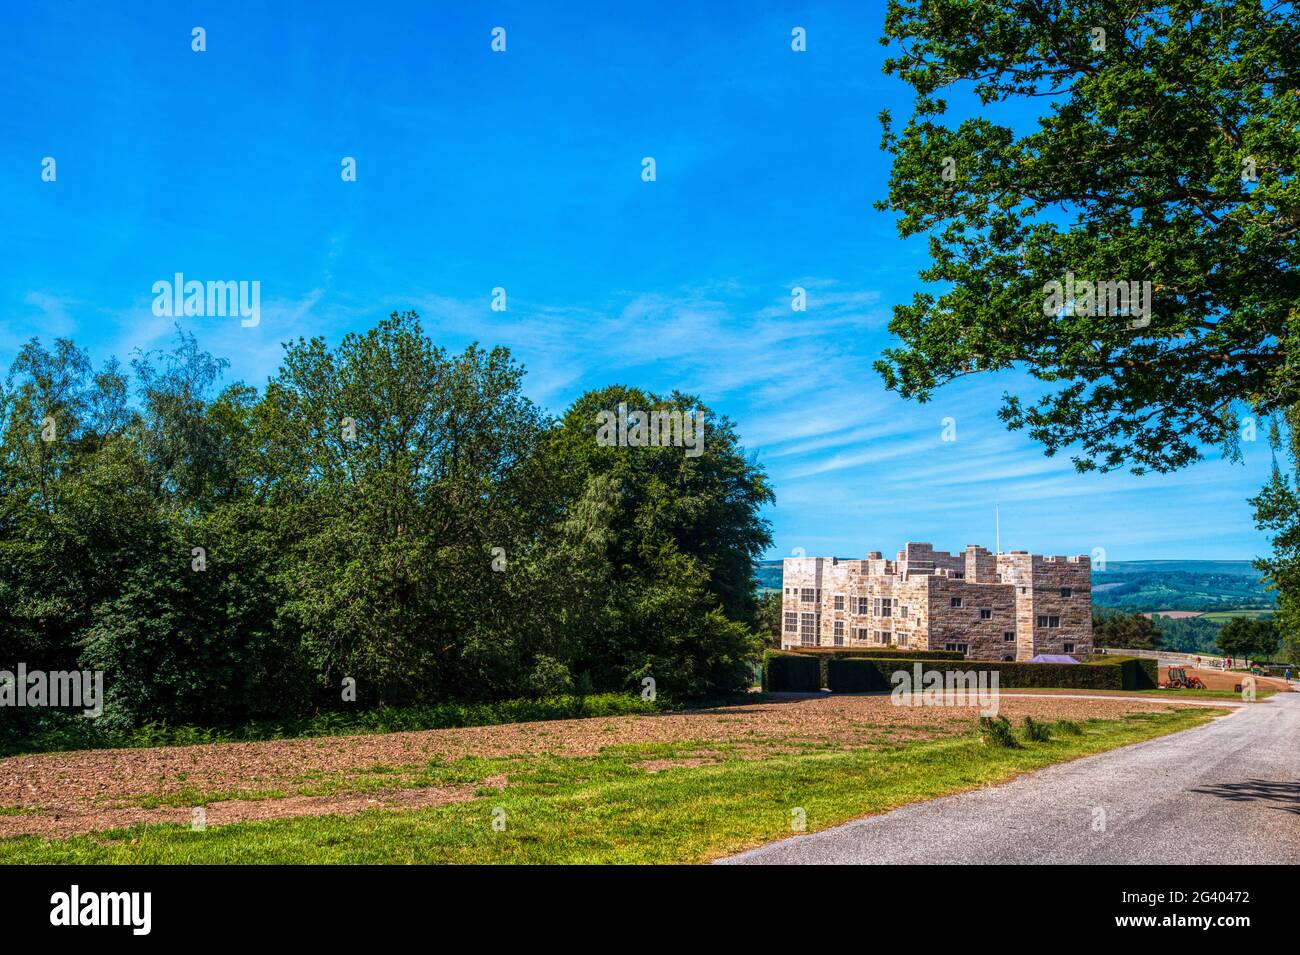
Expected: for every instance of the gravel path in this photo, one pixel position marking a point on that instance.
(1224, 792)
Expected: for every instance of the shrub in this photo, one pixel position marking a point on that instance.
(1034, 731)
(864, 674)
(996, 731)
(856, 675)
(791, 673)
(1069, 727)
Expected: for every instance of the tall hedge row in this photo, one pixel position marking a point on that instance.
(791, 673)
(865, 674)
(806, 673)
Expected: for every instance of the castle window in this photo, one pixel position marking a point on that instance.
(902, 611)
(809, 595)
(884, 606)
(1069, 648)
(955, 602)
(883, 636)
(839, 601)
(1067, 592)
(1048, 623)
(1009, 635)
(903, 639)
(839, 633)
(957, 647)
(808, 627)
(986, 613)
(791, 623)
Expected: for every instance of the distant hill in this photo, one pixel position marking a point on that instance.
(1150, 585)
(1146, 585)
(767, 574)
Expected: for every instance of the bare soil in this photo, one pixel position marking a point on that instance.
(59, 794)
(1219, 680)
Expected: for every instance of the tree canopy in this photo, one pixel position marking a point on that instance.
(1249, 638)
(383, 513)
(1166, 153)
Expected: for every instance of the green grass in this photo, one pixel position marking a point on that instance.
(609, 809)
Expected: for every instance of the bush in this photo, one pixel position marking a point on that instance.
(867, 674)
(1069, 727)
(1034, 731)
(857, 675)
(996, 731)
(791, 673)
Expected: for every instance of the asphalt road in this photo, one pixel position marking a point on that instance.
(1226, 792)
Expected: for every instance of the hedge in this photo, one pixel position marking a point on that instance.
(791, 673)
(865, 674)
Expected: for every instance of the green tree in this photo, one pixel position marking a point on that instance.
(1167, 154)
(1277, 511)
(1248, 638)
(767, 618)
(67, 511)
(677, 534)
(401, 468)
(1134, 631)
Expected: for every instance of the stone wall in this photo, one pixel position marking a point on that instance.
(1044, 602)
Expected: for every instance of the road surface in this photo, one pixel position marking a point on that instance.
(1228, 791)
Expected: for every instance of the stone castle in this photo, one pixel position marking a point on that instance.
(1011, 606)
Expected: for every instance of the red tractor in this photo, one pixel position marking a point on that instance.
(1179, 680)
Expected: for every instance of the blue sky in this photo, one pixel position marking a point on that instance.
(523, 170)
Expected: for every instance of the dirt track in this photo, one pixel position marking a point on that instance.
(1219, 680)
(58, 794)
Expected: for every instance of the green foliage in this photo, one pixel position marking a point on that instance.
(1188, 634)
(996, 731)
(791, 673)
(1166, 154)
(1192, 589)
(384, 515)
(1243, 637)
(1134, 172)
(1035, 732)
(867, 675)
(767, 617)
(1127, 631)
(1277, 512)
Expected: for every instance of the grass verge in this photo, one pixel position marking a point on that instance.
(611, 809)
